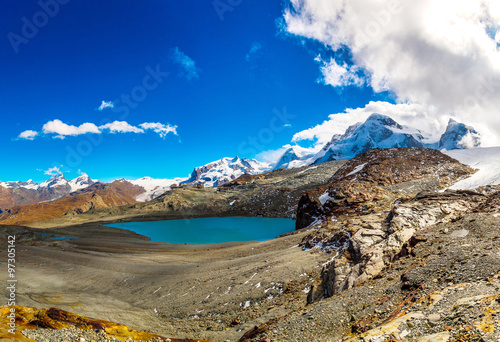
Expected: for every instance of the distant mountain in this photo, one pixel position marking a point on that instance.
(459, 136)
(97, 195)
(380, 131)
(23, 193)
(26, 193)
(294, 156)
(225, 170)
(80, 182)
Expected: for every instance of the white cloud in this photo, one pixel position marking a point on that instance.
(106, 104)
(62, 130)
(339, 75)
(53, 171)
(190, 70)
(121, 127)
(28, 135)
(439, 54)
(254, 49)
(159, 128)
(271, 156)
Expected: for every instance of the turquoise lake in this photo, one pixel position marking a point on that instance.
(210, 230)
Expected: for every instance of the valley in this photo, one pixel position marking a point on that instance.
(368, 236)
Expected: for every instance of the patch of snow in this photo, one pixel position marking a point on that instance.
(325, 198)
(154, 187)
(357, 169)
(487, 160)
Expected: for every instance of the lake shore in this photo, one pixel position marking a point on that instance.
(215, 292)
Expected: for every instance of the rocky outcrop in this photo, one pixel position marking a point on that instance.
(371, 182)
(376, 239)
(426, 271)
(95, 201)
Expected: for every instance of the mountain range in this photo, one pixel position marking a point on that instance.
(378, 131)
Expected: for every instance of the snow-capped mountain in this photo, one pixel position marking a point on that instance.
(81, 182)
(380, 131)
(31, 185)
(294, 156)
(154, 187)
(459, 136)
(57, 181)
(225, 170)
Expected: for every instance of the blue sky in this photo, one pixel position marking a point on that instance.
(215, 80)
(225, 78)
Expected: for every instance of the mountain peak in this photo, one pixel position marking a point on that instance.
(459, 136)
(225, 170)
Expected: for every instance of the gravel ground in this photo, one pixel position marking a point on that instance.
(73, 335)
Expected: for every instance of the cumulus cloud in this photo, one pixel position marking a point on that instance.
(60, 130)
(106, 104)
(440, 54)
(160, 128)
(187, 64)
(53, 171)
(254, 49)
(121, 127)
(339, 75)
(28, 135)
